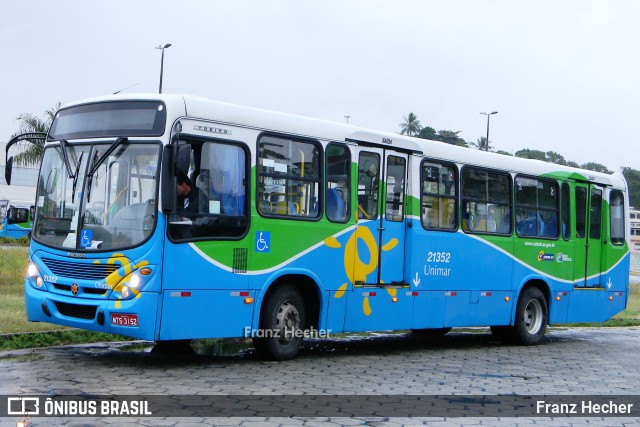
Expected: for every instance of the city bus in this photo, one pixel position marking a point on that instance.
(295, 227)
(15, 218)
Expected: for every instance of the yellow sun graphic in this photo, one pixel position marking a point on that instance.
(115, 281)
(354, 267)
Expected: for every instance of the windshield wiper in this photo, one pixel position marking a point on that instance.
(96, 163)
(64, 143)
(105, 156)
(75, 178)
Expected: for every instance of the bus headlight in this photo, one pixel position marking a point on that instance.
(33, 273)
(32, 270)
(134, 281)
(125, 292)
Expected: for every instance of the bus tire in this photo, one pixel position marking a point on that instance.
(284, 317)
(531, 317)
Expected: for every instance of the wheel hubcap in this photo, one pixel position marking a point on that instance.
(287, 321)
(533, 316)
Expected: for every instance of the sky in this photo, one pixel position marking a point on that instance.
(562, 74)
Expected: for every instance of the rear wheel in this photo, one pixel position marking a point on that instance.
(282, 323)
(531, 320)
(531, 317)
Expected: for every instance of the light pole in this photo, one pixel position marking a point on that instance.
(486, 147)
(166, 46)
(347, 117)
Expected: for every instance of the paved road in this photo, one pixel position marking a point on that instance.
(576, 361)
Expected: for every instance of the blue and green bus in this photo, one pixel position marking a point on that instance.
(170, 218)
(15, 218)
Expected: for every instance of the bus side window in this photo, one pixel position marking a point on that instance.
(288, 173)
(616, 209)
(338, 194)
(581, 211)
(439, 195)
(486, 201)
(565, 211)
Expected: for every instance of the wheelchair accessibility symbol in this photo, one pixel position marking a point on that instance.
(86, 238)
(263, 241)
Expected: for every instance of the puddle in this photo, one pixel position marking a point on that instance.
(221, 347)
(202, 347)
(21, 358)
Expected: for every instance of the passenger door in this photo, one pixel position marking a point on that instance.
(382, 179)
(588, 202)
(378, 300)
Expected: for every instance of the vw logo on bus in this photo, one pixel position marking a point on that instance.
(75, 288)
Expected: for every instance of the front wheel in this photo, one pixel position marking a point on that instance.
(531, 317)
(282, 323)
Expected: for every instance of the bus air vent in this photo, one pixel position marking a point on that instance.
(240, 260)
(75, 310)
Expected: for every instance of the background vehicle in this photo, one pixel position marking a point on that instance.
(309, 225)
(15, 218)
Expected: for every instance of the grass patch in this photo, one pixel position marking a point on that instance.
(13, 318)
(15, 331)
(22, 241)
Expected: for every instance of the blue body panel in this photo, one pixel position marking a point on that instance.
(450, 279)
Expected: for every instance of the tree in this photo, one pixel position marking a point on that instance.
(532, 154)
(633, 180)
(506, 153)
(411, 125)
(596, 167)
(556, 158)
(481, 144)
(32, 154)
(428, 132)
(451, 137)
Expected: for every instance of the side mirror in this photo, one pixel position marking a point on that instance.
(8, 169)
(168, 179)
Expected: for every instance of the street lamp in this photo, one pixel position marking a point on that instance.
(486, 147)
(347, 117)
(166, 46)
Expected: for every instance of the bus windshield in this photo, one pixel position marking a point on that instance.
(115, 208)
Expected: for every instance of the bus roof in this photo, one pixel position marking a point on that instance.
(196, 107)
(20, 203)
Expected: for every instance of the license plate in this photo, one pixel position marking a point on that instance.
(121, 319)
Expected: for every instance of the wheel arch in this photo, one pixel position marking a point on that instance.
(533, 282)
(304, 281)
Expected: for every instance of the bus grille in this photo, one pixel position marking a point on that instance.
(91, 291)
(79, 270)
(74, 310)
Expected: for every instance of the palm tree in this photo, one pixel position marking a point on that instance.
(29, 123)
(411, 125)
(481, 144)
